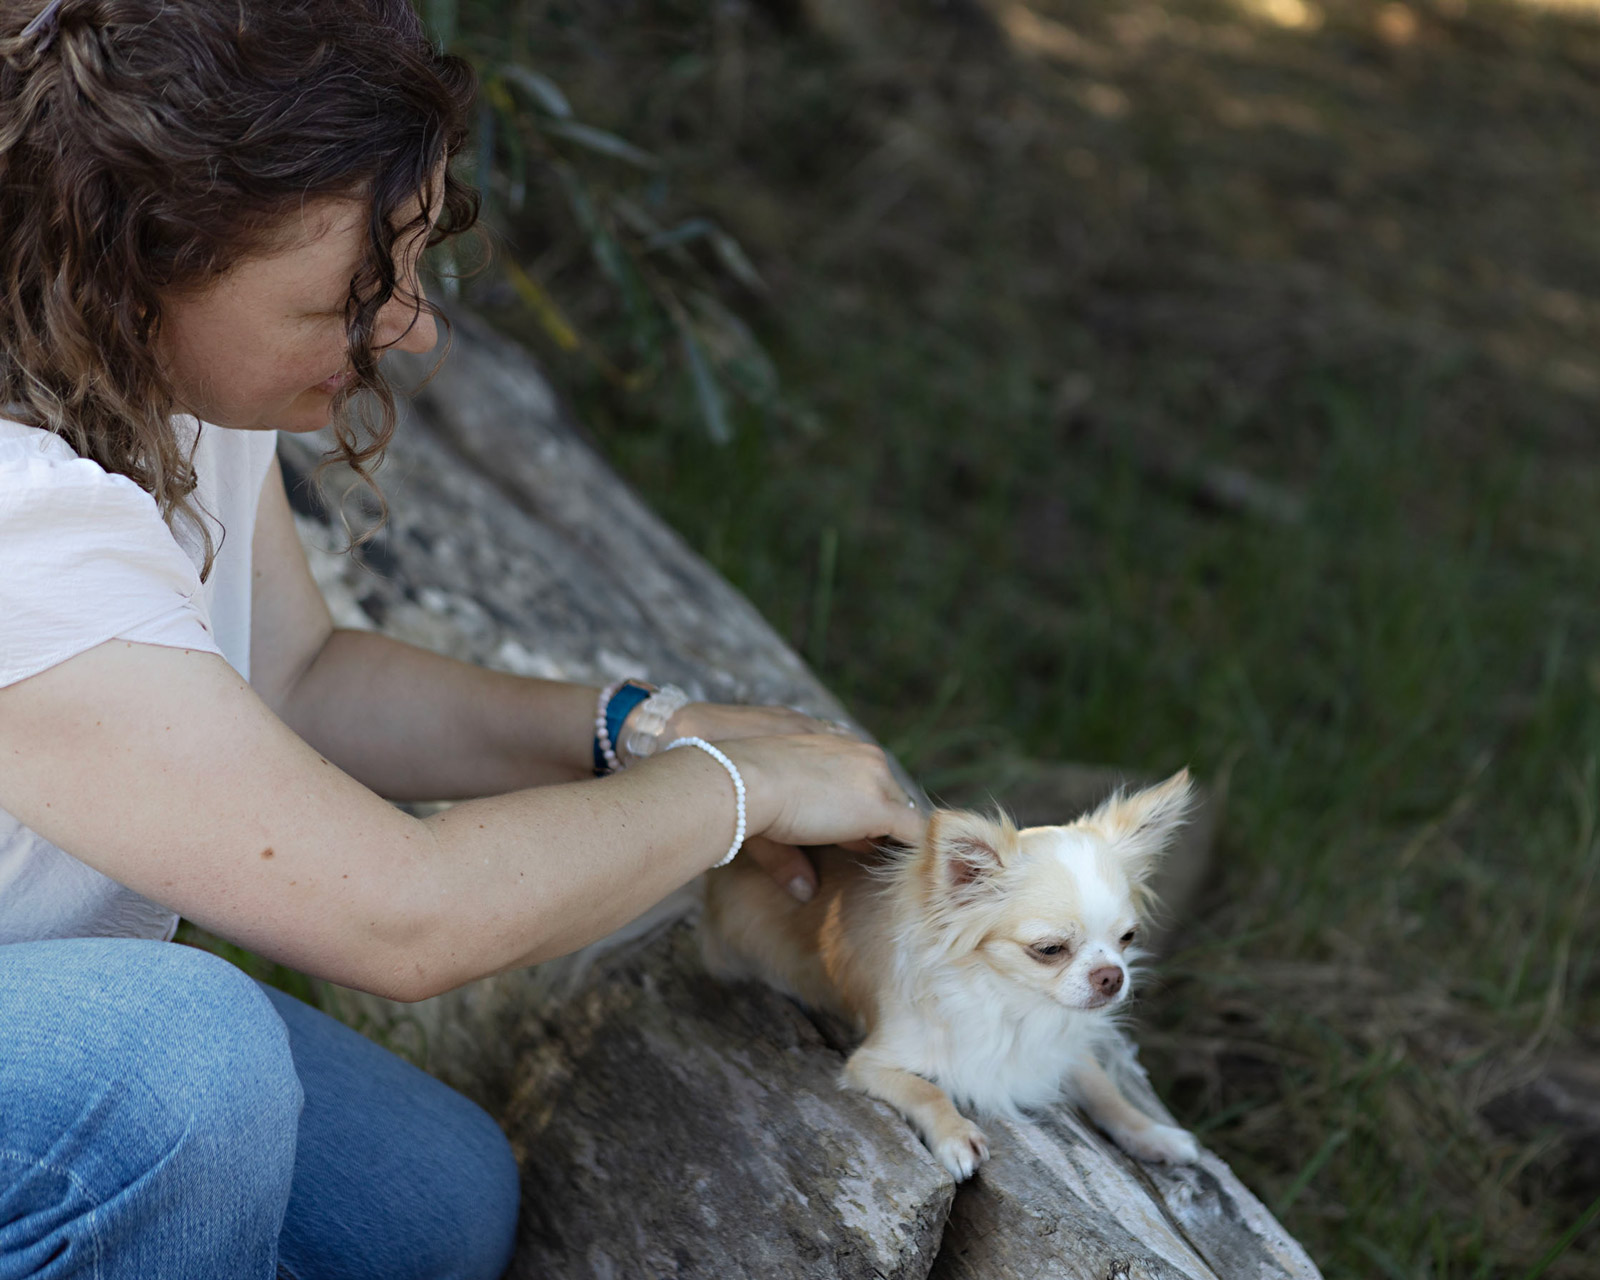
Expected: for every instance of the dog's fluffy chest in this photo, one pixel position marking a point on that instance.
(989, 1047)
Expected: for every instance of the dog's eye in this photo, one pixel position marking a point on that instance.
(1128, 937)
(1046, 950)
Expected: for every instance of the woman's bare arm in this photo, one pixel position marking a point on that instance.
(163, 769)
(409, 724)
(414, 725)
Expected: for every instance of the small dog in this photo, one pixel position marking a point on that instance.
(989, 964)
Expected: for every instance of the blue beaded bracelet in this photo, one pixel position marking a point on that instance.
(627, 695)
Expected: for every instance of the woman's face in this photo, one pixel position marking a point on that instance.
(264, 347)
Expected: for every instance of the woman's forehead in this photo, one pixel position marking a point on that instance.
(323, 226)
(339, 224)
(326, 238)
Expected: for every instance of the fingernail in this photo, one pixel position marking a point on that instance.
(801, 888)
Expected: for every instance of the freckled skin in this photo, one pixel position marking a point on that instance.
(276, 324)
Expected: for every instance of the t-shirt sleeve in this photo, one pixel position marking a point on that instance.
(84, 557)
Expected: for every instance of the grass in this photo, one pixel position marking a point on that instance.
(1031, 279)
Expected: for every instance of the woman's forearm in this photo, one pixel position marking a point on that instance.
(415, 725)
(229, 817)
(540, 874)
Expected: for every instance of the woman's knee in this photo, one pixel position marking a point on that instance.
(155, 1084)
(232, 1063)
(174, 1044)
(397, 1174)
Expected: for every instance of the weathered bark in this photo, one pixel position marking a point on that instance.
(1057, 1199)
(668, 1125)
(671, 1125)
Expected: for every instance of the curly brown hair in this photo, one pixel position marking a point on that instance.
(148, 145)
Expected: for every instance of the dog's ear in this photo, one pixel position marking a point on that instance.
(966, 849)
(1142, 824)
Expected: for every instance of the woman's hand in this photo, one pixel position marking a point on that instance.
(822, 788)
(785, 863)
(780, 856)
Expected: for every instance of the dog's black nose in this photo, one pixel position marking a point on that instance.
(1106, 981)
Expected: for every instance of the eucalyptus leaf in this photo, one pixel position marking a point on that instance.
(728, 250)
(586, 135)
(707, 394)
(544, 91)
(690, 229)
(545, 309)
(733, 257)
(608, 254)
(636, 218)
(739, 353)
(577, 197)
(615, 262)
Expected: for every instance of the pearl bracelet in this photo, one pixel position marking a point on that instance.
(738, 789)
(602, 735)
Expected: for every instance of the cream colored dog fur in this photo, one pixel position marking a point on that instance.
(986, 966)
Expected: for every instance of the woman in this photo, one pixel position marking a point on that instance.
(211, 212)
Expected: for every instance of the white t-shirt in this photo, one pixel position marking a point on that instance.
(85, 557)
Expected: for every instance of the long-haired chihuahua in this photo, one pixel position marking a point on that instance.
(986, 966)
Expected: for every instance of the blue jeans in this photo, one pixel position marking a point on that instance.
(162, 1115)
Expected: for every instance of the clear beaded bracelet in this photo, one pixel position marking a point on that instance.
(738, 790)
(643, 736)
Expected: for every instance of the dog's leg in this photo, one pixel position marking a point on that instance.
(958, 1144)
(718, 957)
(1132, 1130)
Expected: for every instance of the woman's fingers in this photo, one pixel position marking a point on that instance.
(785, 864)
(904, 821)
(910, 824)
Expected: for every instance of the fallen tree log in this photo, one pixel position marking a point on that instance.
(1058, 1199)
(669, 1126)
(762, 1166)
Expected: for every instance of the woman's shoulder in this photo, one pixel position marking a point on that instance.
(87, 555)
(20, 445)
(32, 458)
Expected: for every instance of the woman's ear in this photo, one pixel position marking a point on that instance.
(964, 850)
(1141, 825)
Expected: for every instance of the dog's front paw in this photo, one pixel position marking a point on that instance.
(960, 1147)
(1162, 1143)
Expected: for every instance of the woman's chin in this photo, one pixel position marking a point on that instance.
(311, 411)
